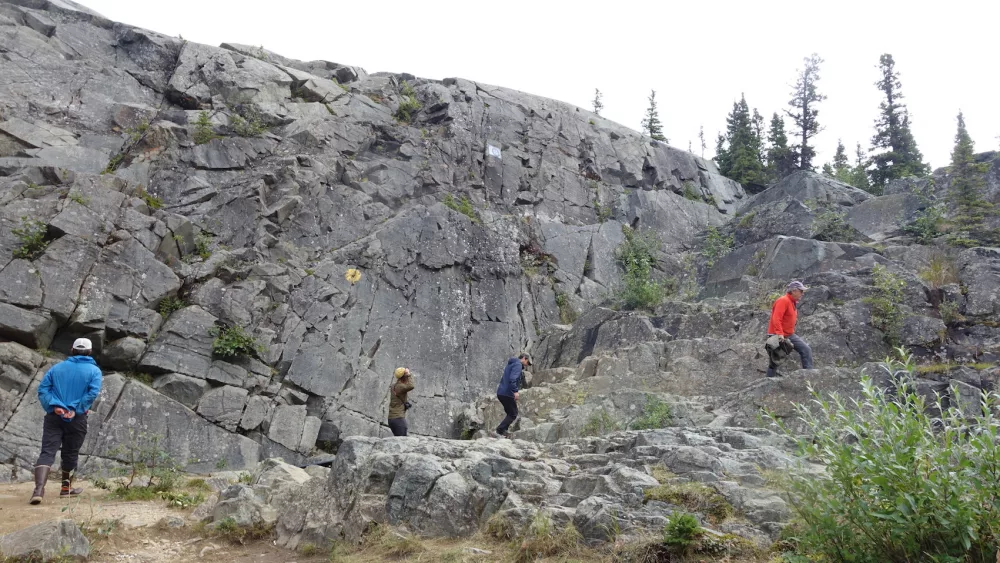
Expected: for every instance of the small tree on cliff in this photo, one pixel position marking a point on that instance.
(968, 180)
(805, 98)
(598, 104)
(780, 158)
(651, 123)
(739, 150)
(895, 153)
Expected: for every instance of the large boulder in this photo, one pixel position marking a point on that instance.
(48, 541)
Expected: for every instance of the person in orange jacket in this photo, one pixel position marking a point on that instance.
(784, 313)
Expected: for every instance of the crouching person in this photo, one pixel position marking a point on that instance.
(66, 393)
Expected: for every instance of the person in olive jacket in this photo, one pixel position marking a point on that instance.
(397, 401)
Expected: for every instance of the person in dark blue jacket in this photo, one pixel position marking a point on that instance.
(66, 393)
(507, 391)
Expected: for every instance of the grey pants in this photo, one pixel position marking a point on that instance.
(58, 434)
(805, 354)
(398, 426)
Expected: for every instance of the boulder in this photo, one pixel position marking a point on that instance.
(223, 406)
(33, 329)
(52, 540)
(181, 388)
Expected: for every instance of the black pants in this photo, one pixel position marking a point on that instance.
(398, 426)
(69, 436)
(509, 407)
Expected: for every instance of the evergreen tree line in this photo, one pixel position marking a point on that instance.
(751, 152)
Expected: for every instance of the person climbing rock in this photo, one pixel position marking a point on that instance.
(781, 330)
(398, 405)
(66, 393)
(507, 391)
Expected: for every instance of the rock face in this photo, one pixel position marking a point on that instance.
(207, 254)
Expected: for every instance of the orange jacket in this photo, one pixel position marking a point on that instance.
(783, 316)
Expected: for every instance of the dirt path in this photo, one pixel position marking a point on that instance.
(136, 537)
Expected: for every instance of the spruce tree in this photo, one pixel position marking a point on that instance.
(805, 98)
(651, 123)
(895, 153)
(739, 150)
(841, 166)
(968, 180)
(701, 137)
(780, 158)
(598, 105)
(859, 172)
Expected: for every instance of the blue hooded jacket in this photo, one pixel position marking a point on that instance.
(72, 384)
(511, 380)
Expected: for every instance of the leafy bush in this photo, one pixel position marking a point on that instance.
(655, 414)
(170, 304)
(203, 131)
(637, 256)
(716, 246)
(143, 461)
(901, 484)
(234, 341)
(885, 300)
(31, 238)
(681, 532)
(927, 225)
(463, 206)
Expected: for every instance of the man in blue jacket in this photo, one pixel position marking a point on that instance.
(507, 391)
(66, 393)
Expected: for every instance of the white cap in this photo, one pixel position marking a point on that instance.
(83, 344)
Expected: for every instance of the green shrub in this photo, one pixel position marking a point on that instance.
(229, 529)
(901, 483)
(655, 414)
(637, 256)
(170, 304)
(31, 238)
(77, 198)
(693, 496)
(681, 532)
(950, 312)
(599, 423)
(203, 131)
(940, 271)
(141, 377)
(408, 106)
(690, 192)
(926, 226)
(884, 301)
(143, 460)
(463, 206)
(203, 246)
(151, 200)
(716, 246)
(830, 225)
(234, 341)
(246, 120)
(543, 540)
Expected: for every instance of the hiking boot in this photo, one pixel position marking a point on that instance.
(41, 474)
(67, 485)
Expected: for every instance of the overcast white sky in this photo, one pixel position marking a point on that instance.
(698, 56)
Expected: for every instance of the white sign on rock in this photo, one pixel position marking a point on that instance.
(493, 151)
